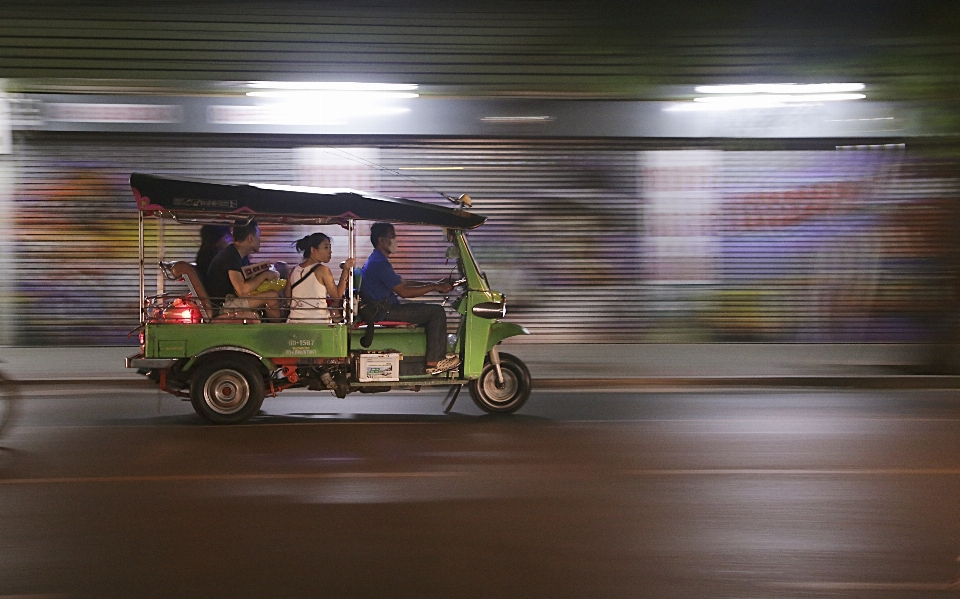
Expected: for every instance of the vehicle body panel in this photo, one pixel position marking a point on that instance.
(503, 330)
(274, 340)
(409, 342)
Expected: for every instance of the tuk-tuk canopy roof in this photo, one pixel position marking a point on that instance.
(207, 200)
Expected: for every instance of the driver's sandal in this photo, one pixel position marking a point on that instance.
(445, 365)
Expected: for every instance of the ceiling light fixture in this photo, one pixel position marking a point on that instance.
(781, 88)
(329, 103)
(776, 100)
(768, 95)
(348, 86)
(321, 94)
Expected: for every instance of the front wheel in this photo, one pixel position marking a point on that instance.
(513, 394)
(227, 390)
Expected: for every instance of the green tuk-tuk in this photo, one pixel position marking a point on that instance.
(226, 362)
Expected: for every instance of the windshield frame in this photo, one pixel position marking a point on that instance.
(476, 279)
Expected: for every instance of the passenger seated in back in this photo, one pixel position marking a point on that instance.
(311, 281)
(227, 288)
(213, 238)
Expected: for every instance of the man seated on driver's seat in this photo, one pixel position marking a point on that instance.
(226, 286)
(381, 285)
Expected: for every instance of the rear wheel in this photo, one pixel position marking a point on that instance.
(227, 390)
(506, 399)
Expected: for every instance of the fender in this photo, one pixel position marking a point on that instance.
(228, 348)
(502, 330)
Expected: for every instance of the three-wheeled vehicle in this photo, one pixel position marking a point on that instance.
(226, 361)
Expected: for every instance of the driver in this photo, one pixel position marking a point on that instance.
(380, 290)
(225, 276)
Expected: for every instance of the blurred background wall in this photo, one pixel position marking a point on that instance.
(620, 209)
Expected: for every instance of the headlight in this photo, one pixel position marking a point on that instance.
(490, 309)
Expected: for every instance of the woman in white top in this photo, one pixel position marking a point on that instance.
(311, 281)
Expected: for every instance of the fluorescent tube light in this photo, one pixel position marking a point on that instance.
(763, 100)
(781, 88)
(333, 86)
(338, 95)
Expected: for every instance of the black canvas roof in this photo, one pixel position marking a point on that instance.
(196, 199)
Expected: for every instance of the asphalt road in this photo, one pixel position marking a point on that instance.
(121, 493)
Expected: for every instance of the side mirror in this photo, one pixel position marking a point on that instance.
(453, 253)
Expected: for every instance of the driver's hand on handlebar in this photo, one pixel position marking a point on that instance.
(444, 286)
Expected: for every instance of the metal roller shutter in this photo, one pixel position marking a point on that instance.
(599, 49)
(591, 241)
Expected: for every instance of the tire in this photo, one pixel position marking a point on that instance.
(516, 391)
(227, 389)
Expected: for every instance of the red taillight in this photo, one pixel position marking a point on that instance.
(182, 311)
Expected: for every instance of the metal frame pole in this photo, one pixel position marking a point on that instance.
(161, 251)
(142, 290)
(351, 253)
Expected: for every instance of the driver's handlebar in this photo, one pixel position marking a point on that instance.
(454, 285)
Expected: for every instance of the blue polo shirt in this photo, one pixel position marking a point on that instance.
(379, 279)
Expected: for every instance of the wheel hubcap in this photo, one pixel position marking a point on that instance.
(226, 391)
(504, 394)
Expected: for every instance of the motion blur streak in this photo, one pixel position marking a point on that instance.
(594, 242)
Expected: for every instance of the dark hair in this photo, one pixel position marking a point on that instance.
(211, 234)
(378, 230)
(309, 242)
(242, 232)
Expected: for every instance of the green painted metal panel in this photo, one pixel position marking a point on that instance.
(267, 340)
(407, 342)
(503, 330)
(475, 330)
(476, 333)
(172, 348)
